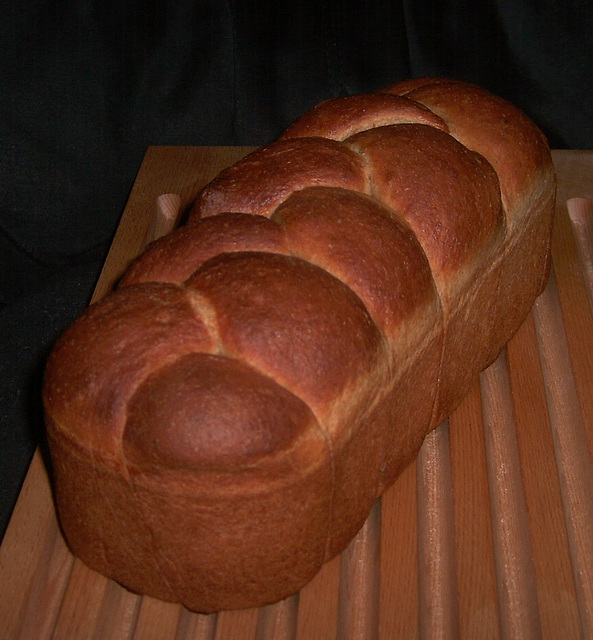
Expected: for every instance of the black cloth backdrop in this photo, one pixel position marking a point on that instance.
(86, 87)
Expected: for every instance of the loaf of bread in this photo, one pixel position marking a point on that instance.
(221, 424)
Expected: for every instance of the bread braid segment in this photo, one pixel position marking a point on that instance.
(497, 130)
(176, 256)
(100, 360)
(262, 180)
(364, 244)
(341, 118)
(520, 155)
(283, 315)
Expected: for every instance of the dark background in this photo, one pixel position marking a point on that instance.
(86, 87)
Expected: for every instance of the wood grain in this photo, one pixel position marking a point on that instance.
(515, 572)
(573, 457)
(474, 546)
(580, 211)
(358, 612)
(551, 558)
(487, 535)
(437, 572)
(278, 621)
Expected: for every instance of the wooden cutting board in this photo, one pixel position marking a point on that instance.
(489, 534)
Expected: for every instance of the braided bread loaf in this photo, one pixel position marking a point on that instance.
(222, 423)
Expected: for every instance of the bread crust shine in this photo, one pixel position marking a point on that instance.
(221, 424)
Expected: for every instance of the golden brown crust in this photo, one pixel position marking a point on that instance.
(333, 227)
(261, 181)
(244, 416)
(341, 118)
(448, 195)
(496, 129)
(291, 320)
(98, 363)
(175, 257)
(222, 423)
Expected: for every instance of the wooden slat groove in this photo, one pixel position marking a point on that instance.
(399, 558)
(48, 587)
(236, 625)
(278, 621)
(118, 614)
(165, 216)
(476, 569)
(437, 570)
(23, 564)
(358, 612)
(195, 626)
(80, 610)
(580, 211)
(570, 444)
(516, 582)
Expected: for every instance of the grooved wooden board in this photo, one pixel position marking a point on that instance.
(489, 534)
